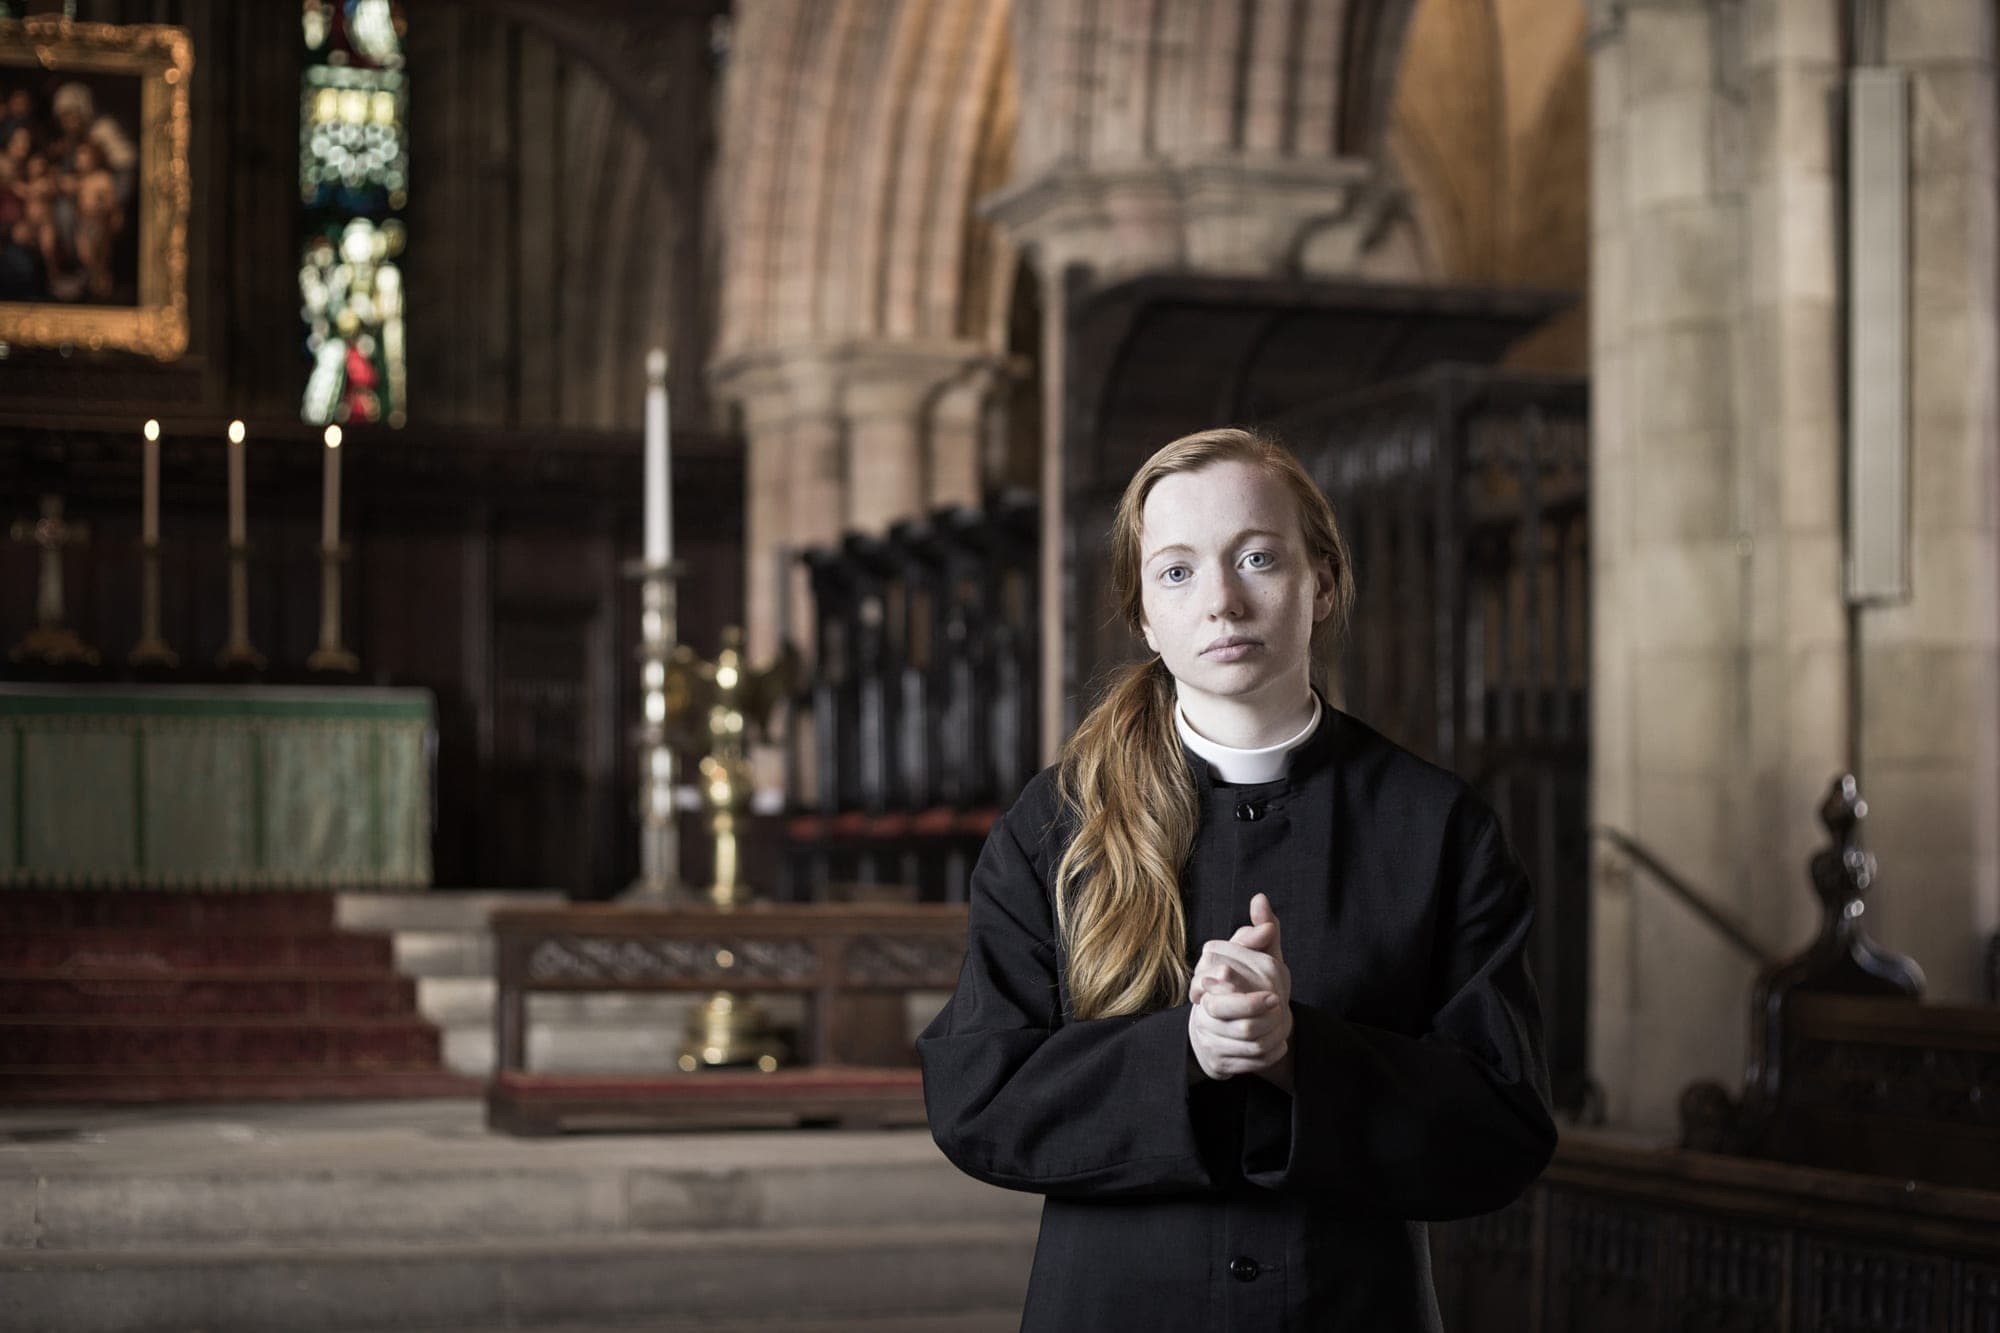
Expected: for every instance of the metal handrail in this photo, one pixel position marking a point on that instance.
(1721, 922)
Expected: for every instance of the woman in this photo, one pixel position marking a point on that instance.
(1244, 991)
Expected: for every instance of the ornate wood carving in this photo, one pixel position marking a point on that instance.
(1733, 1276)
(570, 958)
(1626, 1237)
(1943, 1084)
(1841, 960)
(888, 960)
(1849, 1288)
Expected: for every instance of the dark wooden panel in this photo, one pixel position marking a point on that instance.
(1669, 1241)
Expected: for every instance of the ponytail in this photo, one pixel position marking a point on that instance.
(1117, 887)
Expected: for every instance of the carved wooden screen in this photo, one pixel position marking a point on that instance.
(1462, 493)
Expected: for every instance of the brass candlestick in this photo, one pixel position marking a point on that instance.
(238, 652)
(151, 650)
(729, 699)
(330, 655)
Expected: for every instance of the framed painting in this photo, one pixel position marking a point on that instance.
(94, 188)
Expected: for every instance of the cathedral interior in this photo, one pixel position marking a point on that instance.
(520, 517)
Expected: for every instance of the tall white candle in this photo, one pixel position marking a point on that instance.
(237, 532)
(329, 516)
(150, 503)
(659, 480)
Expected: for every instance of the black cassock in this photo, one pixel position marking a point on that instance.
(1420, 1084)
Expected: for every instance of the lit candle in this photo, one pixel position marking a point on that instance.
(329, 518)
(150, 505)
(237, 532)
(659, 484)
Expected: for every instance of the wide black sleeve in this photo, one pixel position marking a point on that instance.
(1020, 1098)
(1453, 1122)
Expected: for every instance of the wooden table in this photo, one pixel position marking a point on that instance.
(842, 958)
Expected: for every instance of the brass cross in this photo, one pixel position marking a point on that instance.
(50, 641)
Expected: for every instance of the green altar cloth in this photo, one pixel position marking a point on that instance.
(188, 787)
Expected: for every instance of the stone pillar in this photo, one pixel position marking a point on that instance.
(796, 477)
(767, 507)
(1054, 517)
(817, 447)
(890, 398)
(959, 421)
(795, 499)
(1790, 352)
(1930, 668)
(1668, 551)
(861, 427)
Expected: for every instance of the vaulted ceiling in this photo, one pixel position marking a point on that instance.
(860, 136)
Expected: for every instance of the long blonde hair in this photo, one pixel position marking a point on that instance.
(1123, 777)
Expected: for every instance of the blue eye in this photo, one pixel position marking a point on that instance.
(1266, 556)
(1169, 570)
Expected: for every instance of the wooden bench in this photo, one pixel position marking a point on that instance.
(857, 1067)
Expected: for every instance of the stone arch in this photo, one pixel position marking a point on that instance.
(862, 136)
(859, 133)
(1185, 80)
(1149, 125)
(1491, 133)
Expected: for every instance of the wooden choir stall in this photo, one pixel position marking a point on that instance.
(1852, 1187)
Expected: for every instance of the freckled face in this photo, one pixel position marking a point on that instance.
(1222, 558)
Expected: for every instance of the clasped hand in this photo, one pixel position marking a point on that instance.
(1241, 996)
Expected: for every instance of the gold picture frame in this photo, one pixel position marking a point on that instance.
(124, 296)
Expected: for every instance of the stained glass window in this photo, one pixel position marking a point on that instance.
(354, 159)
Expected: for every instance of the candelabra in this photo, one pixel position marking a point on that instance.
(151, 650)
(711, 706)
(330, 655)
(238, 652)
(659, 836)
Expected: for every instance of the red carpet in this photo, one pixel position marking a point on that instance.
(142, 996)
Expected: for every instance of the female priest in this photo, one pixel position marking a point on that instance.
(1244, 992)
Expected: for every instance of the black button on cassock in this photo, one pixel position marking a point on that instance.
(1243, 1268)
(1249, 810)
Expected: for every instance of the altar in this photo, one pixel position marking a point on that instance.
(215, 788)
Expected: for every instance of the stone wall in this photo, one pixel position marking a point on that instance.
(1725, 684)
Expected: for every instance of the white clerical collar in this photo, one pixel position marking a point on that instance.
(1238, 766)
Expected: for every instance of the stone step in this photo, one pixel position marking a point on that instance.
(620, 1046)
(194, 949)
(571, 1049)
(140, 992)
(453, 1001)
(156, 1043)
(128, 1087)
(438, 909)
(465, 1001)
(231, 1177)
(443, 953)
(875, 1273)
(1005, 1320)
(610, 1032)
(23, 910)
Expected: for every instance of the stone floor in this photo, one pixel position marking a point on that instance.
(411, 1216)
